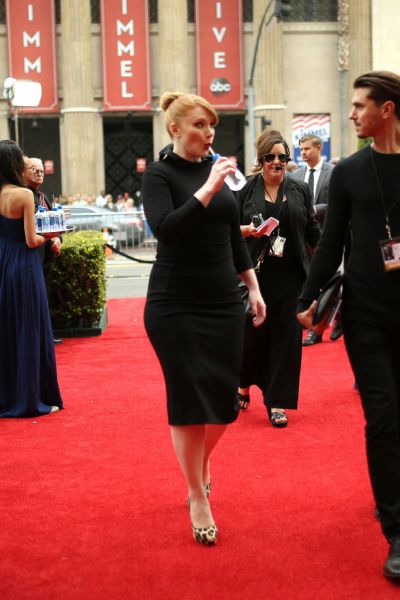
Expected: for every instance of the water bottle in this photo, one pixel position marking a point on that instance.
(38, 222)
(234, 181)
(41, 219)
(53, 219)
(46, 219)
(61, 216)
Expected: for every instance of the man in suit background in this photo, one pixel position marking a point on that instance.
(317, 173)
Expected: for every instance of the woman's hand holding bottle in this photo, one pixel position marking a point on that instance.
(221, 168)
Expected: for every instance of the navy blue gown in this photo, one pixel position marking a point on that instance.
(28, 377)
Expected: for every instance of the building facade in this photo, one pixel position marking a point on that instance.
(303, 71)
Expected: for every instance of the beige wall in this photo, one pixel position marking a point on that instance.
(311, 76)
(386, 35)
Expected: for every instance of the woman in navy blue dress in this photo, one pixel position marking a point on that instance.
(28, 377)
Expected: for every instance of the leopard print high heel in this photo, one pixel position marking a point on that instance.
(204, 535)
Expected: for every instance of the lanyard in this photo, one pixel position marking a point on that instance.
(279, 200)
(382, 198)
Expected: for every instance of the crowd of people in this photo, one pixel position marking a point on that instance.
(211, 351)
(120, 203)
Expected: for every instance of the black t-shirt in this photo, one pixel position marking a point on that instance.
(355, 199)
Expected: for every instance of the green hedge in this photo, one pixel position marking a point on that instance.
(75, 280)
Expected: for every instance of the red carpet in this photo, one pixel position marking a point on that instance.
(93, 502)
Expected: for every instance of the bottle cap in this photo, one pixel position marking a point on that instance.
(216, 156)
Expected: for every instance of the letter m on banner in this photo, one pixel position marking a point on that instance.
(31, 38)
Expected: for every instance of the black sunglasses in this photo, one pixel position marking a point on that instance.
(283, 158)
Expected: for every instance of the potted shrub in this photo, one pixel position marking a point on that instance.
(76, 286)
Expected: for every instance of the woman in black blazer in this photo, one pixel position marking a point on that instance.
(272, 353)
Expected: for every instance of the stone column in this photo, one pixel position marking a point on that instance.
(268, 74)
(172, 59)
(4, 114)
(343, 67)
(79, 113)
(360, 52)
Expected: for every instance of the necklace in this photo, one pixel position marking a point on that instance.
(268, 196)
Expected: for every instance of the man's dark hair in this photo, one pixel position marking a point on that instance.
(383, 86)
(11, 164)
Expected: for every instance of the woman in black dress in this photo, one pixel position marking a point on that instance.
(272, 353)
(194, 314)
(28, 377)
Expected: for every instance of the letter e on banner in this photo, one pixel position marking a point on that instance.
(220, 53)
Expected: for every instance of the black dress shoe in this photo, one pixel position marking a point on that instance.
(392, 565)
(336, 332)
(312, 338)
(57, 340)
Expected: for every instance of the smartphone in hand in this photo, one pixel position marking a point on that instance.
(267, 227)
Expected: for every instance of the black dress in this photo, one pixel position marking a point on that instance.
(28, 377)
(272, 352)
(194, 314)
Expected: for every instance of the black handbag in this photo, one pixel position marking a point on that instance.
(329, 301)
(243, 289)
(244, 293)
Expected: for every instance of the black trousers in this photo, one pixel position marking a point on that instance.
(374, 352)
(272, 354)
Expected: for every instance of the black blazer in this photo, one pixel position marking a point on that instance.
(304, 226)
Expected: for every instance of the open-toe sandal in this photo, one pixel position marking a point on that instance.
(244, 401)
(278, 418)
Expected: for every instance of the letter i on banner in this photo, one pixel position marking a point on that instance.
(31, 35)
(126, 54)
(220, 53)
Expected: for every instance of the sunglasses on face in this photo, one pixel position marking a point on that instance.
(283, 158)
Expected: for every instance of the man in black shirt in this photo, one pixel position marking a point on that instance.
(365, 192)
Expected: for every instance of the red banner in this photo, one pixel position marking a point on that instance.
(219, 52)
(31, 35)
(126, 55)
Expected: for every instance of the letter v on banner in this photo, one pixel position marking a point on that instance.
(31, 34)
(220, 53)
(126, 55)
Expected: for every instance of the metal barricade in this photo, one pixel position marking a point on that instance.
(126, 231)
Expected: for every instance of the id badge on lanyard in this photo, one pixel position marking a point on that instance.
(277, 246)
(390, 249)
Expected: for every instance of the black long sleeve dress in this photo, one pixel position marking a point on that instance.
(194, 315)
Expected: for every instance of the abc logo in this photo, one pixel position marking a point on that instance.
(220, 86)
